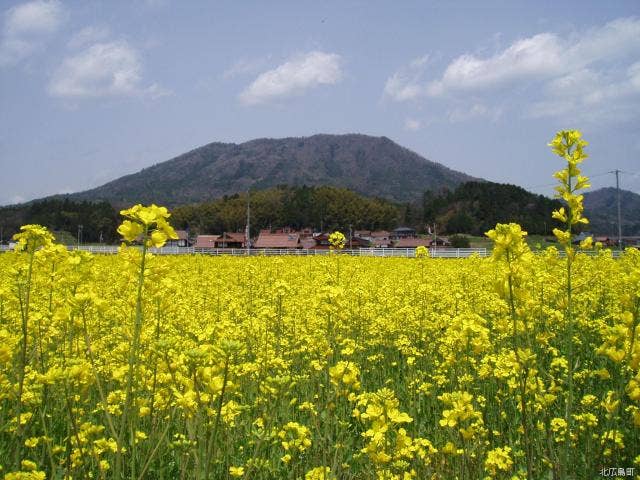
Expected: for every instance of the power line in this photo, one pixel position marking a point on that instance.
(617, 173)
(595, 175)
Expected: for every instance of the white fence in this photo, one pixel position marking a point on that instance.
(362, 252)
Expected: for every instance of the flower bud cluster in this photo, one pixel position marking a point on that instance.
(148, 224)
(569, 145)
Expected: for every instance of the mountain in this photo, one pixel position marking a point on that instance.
(601, 208)
(372, 166)
(476, 207)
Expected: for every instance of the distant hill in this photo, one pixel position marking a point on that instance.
(601, 208)
(472, 207)
(93, 221)
(372, 166)
(320, 208)
(476, 207)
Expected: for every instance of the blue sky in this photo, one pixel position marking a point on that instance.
(90, 91)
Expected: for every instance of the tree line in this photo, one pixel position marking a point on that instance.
(321, 208)
(476, 207)
(97, 221)
(471, 208)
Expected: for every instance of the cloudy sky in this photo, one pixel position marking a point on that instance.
(90, 91)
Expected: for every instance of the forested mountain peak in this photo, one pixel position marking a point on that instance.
(371, 166)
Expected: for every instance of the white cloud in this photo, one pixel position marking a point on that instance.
(476, 110)
(406, 84)
(34, 18)
(542, 56)
(88, 35)
(402, 88)
(12, 50)
(103, 69)
(294, 77)
(412, 125)
(538, 56)
(615, 39)
(577, 82)
(245, 66)
(591, 96)
(26, 27)
(591, 74)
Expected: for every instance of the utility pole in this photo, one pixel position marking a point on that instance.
(80, 227)
(619, 216)
(248, 229)
(350, 237)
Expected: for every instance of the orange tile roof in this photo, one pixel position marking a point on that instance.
(412, 242)
(206, 241)
(182, 235)
(233, 236)
(277, 240)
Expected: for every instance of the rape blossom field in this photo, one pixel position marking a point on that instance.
(136, 366)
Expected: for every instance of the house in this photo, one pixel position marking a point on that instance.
(231, 240)
(630, 241)
(580, 237)
(306, 232)
(181, 241)
(206, 241)
(412, 242)
(358, 242)
(322, 242)
(308, 242)
(377, 239)
(606, 241)
(403, 232)
(267, 239)
(440, 242)
(380, 239)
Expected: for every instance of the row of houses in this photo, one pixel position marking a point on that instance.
(606, 241)
(307, 239)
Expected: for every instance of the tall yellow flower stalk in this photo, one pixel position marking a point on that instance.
(30, 239)
(510, 248)
(337, 241)
(569, 145)
(150, 226)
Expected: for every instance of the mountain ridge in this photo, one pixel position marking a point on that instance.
(373, 166)
(601, 208)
